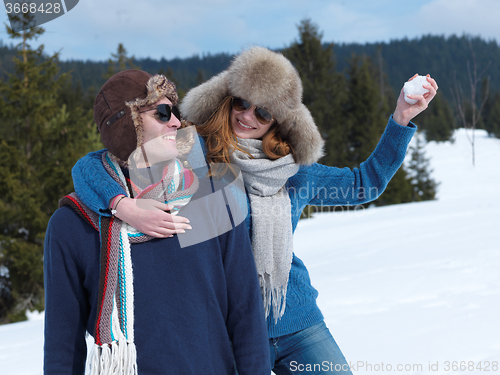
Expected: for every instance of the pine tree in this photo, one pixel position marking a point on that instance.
(324, 88)
(351, 115)
(387, 96)
(437, 121)
(41, 139)
(492, 116)
(424, 187)
(200, 77)
(399, 190)
(119, 62)
(169, 73)
(364, 115)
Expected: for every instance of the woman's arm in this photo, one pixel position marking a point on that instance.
(93, 184)
(329, 186)
(101, 193)
(322, 185)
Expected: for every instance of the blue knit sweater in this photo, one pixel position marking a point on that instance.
(315, 184)
(197, 309)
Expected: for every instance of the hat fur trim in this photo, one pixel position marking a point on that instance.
(158, 87)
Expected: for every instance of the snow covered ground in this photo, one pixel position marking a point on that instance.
(407, 289)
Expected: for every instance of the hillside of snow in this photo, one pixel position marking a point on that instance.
(408, 289)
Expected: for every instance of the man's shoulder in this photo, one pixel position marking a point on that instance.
(63, 214)
(67, 221)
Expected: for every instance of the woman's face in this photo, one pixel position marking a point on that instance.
(159, 137)
(245, 125)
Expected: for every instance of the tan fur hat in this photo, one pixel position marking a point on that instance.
(116, 108)
(266, 79)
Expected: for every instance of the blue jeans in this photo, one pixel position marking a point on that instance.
(308, 352)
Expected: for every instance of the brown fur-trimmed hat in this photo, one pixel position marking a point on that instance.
(116, 108)
(266, 79)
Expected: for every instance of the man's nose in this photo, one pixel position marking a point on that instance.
(174, 122)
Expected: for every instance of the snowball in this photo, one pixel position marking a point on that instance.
(414, 87)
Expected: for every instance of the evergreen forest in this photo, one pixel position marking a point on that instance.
(46, 122)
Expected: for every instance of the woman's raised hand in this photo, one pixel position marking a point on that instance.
(405, 112)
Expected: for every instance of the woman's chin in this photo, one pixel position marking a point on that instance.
(244, 134)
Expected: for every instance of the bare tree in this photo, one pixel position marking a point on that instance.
(461, 102)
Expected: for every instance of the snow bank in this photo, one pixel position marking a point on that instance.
(407, 289)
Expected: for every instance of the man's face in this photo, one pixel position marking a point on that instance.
(159, 137)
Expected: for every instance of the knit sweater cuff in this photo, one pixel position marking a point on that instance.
(411, 125)
(92, 183)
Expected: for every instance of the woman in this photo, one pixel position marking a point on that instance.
(152, 305)
(252, 115)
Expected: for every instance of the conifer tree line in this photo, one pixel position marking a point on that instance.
(46, 125)
(44, 130)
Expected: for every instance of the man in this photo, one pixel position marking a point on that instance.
(176, 305)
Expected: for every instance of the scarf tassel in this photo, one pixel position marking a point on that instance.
(119, 358)
(274, 298)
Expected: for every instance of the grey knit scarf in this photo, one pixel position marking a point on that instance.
(272, 238)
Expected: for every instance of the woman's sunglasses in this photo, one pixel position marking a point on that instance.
(263, 116)
(164, 112)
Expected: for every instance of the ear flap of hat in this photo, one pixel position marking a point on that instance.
(303, 135)
(111, 114)
(201, 101)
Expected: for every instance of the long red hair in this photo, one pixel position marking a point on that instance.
(220, 139)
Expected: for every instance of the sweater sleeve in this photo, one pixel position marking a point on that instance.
(66, 301)
(95, 187)
(322, 185)
(93, 184)
(245, 322)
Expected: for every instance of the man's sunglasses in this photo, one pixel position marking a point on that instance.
(263, 116)
(164, 112)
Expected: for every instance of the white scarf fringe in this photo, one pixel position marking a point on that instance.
(273, 297)
(119, 358)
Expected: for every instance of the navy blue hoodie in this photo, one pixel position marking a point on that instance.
(198, 309)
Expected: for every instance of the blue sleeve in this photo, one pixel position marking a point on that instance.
(322, 185)
(67, 306)
(95, 187)
(93, 184)
(245, 322)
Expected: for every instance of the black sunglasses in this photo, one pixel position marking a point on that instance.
(263, 116)
(164, 112)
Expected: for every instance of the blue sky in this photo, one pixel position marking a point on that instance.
(156, 29)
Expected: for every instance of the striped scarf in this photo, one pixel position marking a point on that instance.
(114, 351)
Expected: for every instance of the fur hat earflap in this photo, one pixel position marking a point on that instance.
(116, 108)
(266, 79)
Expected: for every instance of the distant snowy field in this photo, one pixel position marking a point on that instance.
(407, 289)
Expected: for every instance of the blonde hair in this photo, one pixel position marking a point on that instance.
(220, 139)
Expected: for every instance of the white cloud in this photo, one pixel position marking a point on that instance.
(345, 24)
(476, 17)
